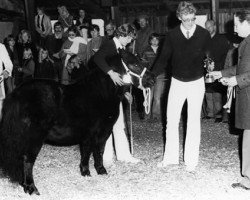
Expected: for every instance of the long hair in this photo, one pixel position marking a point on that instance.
(20, 39)
(8, 39)
(40, 59)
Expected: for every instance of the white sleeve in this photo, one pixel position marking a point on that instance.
(4, 57)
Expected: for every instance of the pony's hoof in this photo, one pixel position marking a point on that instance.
(85, 173)
(31, 189)
(84, 170)
(101, 171)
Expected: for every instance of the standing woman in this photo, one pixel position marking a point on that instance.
(73, 45)
(239, 77)
(43, 26)
(123, 36)
(64, 18)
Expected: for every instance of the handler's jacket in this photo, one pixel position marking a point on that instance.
(242, 73)
(106, 52)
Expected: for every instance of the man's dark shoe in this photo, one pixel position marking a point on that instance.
(218, 120)
(240, 185)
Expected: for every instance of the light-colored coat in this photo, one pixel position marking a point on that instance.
(242, 73)
(47, 26)
(4, 59)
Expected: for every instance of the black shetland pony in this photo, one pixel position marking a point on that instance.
(43, 111)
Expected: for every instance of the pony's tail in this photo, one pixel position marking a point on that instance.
(12, 140)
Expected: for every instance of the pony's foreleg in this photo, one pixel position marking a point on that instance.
(28, 163)
(98, 157)
(85, 151)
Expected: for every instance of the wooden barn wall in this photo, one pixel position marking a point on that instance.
(158, 23)
(6, 29)
(225, 22)
(161, 23)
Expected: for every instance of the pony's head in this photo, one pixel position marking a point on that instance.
(134, 71)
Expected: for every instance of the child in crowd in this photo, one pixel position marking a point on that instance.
(45, 68)
(28, 68)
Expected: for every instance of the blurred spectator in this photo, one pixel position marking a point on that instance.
(140, 44)
(25, 41)
(95, 42)
(83, 19)
(73, 45)
(216, 92)
(109, 31)
(75, 68)
(45, 68)
(143, 34)
(28, 67)
(148, 56)
(54, 44)
(64, 18)
(83, 30)
(43, 26)
(12, 51)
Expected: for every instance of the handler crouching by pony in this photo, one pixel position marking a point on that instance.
(4, 73)
(123, 35)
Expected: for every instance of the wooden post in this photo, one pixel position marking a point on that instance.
(30, 16)
(215, 12)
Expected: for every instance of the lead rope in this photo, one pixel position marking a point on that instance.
(147, 98)
(146, 103)
(131, 125)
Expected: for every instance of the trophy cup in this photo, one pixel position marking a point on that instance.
(209, 67)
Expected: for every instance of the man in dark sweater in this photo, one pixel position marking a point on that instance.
(186, 45)
(218, 48)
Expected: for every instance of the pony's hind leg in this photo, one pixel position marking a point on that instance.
(98, 158)
(85, 151)
(28, 163)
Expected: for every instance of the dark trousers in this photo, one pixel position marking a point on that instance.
(139, 99)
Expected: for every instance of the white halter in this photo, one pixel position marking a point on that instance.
(146, 91)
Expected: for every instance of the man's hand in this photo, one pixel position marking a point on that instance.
(116, 77)
(5, 74)
(215, 74)
(229, 81)
(129, 97)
